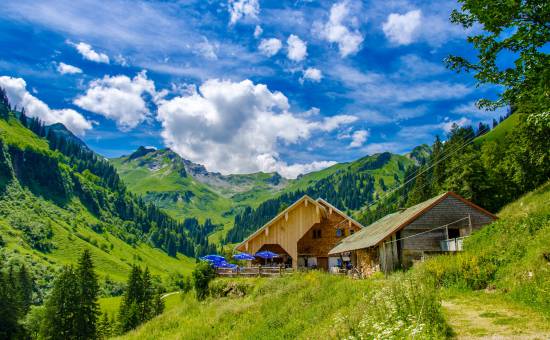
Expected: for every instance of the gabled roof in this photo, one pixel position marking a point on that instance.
(341, 213)
(281, 214)
(376, 232)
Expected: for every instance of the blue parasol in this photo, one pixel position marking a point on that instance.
(213, 258)
(266, 254)
(243, 257)
(225, 265)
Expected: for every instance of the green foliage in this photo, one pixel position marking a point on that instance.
(202, 275)
(141, 301)
(517, 28)
(62, 310)
(72, 310)
(512, 254)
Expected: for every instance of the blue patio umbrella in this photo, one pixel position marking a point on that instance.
(225, 265)
(243, 257)
(213, 258)
(266, 254)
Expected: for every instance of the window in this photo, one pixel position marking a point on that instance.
(339, 232)
(317, 233)
(351, 231)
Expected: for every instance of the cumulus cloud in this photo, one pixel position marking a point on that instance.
(402, 29)
(312, 74)
(258, 31)
(120, 98)
(240, 9)
(88, 53)
(297, 48)
(334, 31)
(206, 49)
(270, 47)
(238, 127)
(358, 138)
(18, 95)
(67, 69)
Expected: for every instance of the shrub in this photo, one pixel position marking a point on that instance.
(230, 288)
(202, 275)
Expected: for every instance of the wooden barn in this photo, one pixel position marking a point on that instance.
(397, 240)
(303, 234)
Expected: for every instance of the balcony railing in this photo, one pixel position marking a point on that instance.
(452, 244)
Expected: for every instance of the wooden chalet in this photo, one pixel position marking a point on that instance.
(303, 234)
(397, 240)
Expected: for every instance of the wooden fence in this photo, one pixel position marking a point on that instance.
(252, 271)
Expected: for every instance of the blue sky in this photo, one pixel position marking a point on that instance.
(241, 85)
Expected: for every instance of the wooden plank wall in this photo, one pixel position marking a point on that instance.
(287, 230)
(447, 211)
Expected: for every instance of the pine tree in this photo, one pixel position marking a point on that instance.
(61, 316)
(129, 314)
(438, 165)
(24, 289)
(104, 327)
(147, 297)
(88, 305)
(9, 327)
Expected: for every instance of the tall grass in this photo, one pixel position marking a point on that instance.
(310, 305)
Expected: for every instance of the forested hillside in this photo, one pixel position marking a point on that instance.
(58, 197)
(348, 186)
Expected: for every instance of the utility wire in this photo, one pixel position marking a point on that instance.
(427, 231)
(387, 194)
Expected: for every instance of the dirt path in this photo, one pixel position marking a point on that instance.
(481, 315)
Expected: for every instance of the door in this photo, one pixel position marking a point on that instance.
(322, 263)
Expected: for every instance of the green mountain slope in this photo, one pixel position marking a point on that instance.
(57, 198)
(185, 189)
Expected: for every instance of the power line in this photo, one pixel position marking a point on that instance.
(427, 231)
(387, 194)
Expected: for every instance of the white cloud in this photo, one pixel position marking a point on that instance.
(417, 67)
(18, 95)
(119, 98)
(470, 109)
(258, 31)
(89, 54)
(238, 127)
(67, 69)
(297, 48)
(270, 47)
(335, 31)
(334, 122)
(312, 74)
(402, 29)
(241, 9)
(206, 49)
(377, 88)
(358, 138)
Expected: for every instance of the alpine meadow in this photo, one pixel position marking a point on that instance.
(247, 169)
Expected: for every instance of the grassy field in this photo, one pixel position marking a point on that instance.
(500, 130)
(110, 305)
(310, 305)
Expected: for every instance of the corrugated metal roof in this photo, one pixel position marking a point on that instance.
(376, 232)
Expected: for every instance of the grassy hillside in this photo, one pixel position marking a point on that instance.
(501, 129)
(45, 224)
(310, 305)
(510, 256)
(185, 189)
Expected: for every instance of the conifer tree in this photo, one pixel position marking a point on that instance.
(129, 314)
(88, 305)
(61, 316)
(24, 289)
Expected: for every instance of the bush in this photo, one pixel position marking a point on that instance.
(230, 288)
(202, 275)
